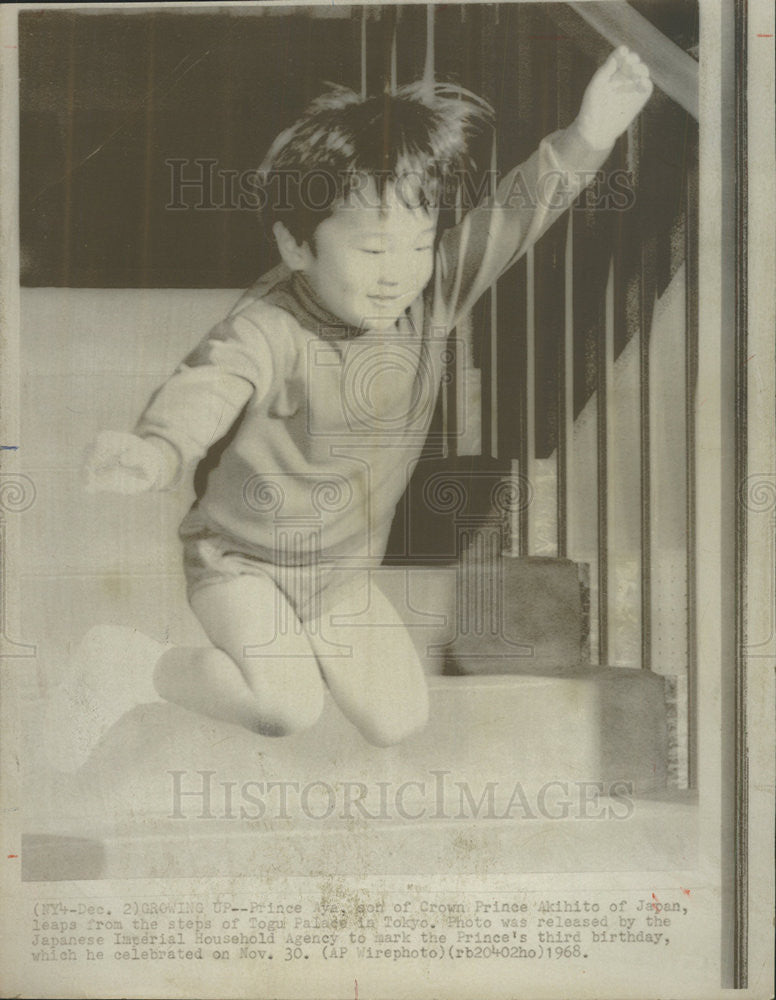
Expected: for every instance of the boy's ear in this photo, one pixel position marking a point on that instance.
(295, 255)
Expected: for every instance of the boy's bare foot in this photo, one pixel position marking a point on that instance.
(109, 673)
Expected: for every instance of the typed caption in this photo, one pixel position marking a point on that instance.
(502, 927)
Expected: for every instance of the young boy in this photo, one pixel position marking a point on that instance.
(312, 400)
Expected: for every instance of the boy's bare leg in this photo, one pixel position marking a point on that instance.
(207, 681)
(112, 671)
(278, 688)
(381, 687)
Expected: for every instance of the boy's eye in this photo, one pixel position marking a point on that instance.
(371, 250)
(421, 249)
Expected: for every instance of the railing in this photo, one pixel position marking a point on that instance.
(577, 373)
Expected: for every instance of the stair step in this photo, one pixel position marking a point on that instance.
(501, 757)
(538, 604)
(607, 726)
(659, 835)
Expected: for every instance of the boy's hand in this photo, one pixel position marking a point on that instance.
(615, 95)
(122, 463)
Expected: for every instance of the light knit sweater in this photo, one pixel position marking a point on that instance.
(314, 429)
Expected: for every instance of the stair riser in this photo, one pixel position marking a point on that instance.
(503, 616)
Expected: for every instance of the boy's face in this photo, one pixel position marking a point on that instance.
(372, 259)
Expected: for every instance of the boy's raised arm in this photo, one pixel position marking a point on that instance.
(616, 94)
(533, 195)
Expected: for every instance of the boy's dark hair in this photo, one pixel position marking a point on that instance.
(419, 134)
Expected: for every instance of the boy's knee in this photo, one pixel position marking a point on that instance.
(278, 724)
(390, 728)
(289, 715)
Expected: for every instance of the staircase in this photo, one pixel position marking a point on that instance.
(527, 739)
(506, 778)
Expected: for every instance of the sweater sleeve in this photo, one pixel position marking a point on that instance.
(206, 393)
(528, 199)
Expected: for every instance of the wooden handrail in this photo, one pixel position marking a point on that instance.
(672, 69)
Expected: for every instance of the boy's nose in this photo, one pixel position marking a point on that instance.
(388, 281)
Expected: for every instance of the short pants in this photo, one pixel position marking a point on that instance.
(211, 555)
